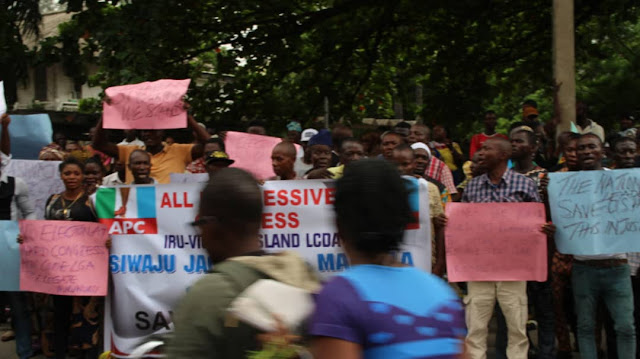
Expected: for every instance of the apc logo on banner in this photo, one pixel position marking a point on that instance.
(136, 212)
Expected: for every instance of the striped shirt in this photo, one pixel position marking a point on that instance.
(513, 187)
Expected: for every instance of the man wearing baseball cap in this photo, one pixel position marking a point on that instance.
(216, 161)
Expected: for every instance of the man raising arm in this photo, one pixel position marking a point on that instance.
(165, 158)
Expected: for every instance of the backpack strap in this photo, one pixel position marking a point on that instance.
(240, 276)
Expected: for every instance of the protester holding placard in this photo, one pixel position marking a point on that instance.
(140, 167)
(380, 308)
(165, 158)
(229, 219)
(76, 320)
(499, 184)
(603, 277)
(14, 204)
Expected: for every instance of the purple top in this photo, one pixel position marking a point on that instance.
(392, 313)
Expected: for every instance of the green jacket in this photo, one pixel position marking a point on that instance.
(203, 328)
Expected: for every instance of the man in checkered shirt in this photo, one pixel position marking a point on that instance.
(498, 184)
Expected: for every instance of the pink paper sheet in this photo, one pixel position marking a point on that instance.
(495, 242)
(252, 152)
(147, 105)
(64, 258)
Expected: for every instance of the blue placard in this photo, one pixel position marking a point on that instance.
(596, 212)
(29, 133)
(9, 256)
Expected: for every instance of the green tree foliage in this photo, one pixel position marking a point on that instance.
(17, 18)
(279, 59)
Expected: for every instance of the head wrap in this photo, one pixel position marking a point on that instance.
(321, 138)
(294, 126)
(422, 146)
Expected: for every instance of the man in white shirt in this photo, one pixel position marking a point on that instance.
(14, 205)
(131, 139)
(117, 177)
(603, 277)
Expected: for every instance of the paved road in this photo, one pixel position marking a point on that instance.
(8, 349)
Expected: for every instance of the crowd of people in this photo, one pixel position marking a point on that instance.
(356, 313)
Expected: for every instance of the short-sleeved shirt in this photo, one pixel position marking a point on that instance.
(445, 153)
(392, 312)
(435, 209)
(513, 187)
(173, 158)
(439, 171)
(478, 139)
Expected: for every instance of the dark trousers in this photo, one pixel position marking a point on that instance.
(62, 306)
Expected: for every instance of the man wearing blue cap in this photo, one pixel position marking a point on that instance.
(320, 146)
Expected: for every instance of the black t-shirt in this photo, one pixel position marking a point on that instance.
(58, 208)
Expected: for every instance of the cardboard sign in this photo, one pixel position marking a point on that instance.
(148, 105)
(9, 256)
(29, 133)
(496, 242)
(596, 212)
(64, 258)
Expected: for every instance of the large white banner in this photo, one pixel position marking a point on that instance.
(156, 255)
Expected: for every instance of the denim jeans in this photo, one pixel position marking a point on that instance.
(21, 323)
(541, 298)
(613, 286)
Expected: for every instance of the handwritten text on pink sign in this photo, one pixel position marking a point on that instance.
(147, 105)
(496, 242)
(64, 258)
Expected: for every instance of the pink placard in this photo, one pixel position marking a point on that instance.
(149, 105)
(496, 242)
(64, 258)
(251, 152)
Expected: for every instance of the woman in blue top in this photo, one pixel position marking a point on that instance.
(380, 308)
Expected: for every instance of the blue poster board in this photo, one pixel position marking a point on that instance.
(596, 212)
(9, 256)
(29, 133)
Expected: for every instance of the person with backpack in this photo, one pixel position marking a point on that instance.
(229, 221)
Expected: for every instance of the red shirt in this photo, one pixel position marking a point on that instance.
(478, 140)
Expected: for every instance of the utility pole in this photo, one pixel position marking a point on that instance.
(564, 64)
(326, 112)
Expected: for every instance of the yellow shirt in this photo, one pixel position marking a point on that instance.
(336, 171)
(435, 209)
(173, 158)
